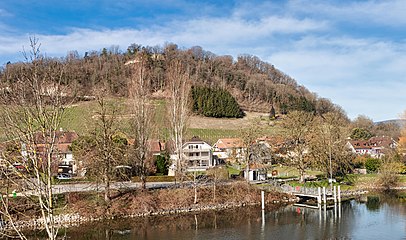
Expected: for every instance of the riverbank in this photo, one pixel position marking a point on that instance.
(82, 207)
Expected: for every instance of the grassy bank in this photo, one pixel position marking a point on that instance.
(91, 205)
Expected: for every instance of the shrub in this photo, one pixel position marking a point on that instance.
(162, 164)
(372, 165)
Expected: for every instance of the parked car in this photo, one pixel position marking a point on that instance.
(64, 176)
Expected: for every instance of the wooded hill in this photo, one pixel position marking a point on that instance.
(256, 85)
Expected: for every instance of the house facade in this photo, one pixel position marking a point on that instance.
(62, 157)
(374, 147)
(229, 149)
(67, 162)
(197, 156)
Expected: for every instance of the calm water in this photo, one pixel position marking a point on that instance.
(374, 217)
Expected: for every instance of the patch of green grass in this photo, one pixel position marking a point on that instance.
(231, 170)
(212, 135)
(81, 117)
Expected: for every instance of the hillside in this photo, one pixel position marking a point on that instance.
(80, 118)
(397, 122)
(255, 84)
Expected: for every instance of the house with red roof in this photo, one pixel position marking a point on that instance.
(375, 147)
(229, 149)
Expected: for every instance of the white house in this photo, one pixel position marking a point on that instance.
(257, 172)
(375, 146)
(197, 156)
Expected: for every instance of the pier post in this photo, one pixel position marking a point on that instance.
(263, 199)
(335, 210)
(335, 194)
(319, 195)
(339, 193)
(324, 195)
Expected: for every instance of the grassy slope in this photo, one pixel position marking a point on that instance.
(80, 118)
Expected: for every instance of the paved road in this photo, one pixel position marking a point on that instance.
(87, 187)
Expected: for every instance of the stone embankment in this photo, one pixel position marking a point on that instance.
(68, 220)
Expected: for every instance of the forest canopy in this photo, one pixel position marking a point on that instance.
(256, 85)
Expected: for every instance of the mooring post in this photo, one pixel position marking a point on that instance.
(339, 193)
(319, 195)
(324, 195)
(263, 199)
(335, 194)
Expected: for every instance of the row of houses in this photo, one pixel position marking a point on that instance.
(199, 155)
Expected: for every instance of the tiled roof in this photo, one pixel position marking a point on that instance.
(227, 143)
(374, 142)
(155, 146)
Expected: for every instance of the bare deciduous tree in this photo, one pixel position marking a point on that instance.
(143, 120)
(298, 126)
(33, 104)
(328, 144)
(109, 152)
(178, 110)
(249, 137)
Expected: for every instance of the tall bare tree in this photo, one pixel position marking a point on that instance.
(33, 105)
(104, 149)
(298, 127)
(178, 110)
(249, 136)
(108, 151)
(143, 120)
(328, 144)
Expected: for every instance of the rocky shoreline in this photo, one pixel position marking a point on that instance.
(75, 219)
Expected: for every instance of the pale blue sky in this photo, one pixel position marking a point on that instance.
(352, 52)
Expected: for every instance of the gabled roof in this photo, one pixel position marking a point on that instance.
(373, 142)
(227, 143)
(62, 137)
(360, 144)
(385, 142)
(155, 146)
(63, 140)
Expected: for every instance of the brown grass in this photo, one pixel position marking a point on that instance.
(139, 202)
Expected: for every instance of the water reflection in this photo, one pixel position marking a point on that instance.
(375, 217)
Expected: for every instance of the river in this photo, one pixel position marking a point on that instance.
(370, 217)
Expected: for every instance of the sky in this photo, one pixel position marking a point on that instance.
(351, 52)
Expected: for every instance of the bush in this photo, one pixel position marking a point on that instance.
(162, 164)
(372, 165)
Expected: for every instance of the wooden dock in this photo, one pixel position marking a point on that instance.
(321, 194)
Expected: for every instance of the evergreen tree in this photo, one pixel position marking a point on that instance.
(215, 102)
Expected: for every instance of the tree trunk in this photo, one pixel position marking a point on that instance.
(107, 189)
